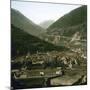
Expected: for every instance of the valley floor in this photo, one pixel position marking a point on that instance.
(43, 73)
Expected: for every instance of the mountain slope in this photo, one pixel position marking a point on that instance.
(75, 17)
(23, 42)
(20, 21)
(71, 23)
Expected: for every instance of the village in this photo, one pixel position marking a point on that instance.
(48, 67)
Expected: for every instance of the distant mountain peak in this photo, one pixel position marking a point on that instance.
(46, 23)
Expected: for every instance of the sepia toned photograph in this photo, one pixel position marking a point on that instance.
(48, 44)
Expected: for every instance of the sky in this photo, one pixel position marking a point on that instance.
(40, 12)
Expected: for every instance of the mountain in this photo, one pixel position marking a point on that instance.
(46, 24)
(22, 22)
(75, 17)
(71, 23)
(22, 43)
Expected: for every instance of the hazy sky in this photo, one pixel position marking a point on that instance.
(39, 12)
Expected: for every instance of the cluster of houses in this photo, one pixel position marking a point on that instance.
(48, 60)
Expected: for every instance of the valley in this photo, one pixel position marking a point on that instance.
(49, 55)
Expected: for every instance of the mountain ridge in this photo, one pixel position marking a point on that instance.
(69, 24)
(21, 21)
(76, 16)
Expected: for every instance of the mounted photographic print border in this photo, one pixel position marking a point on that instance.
(48, 44)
